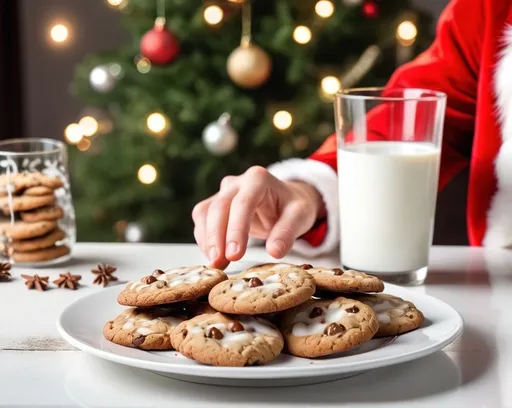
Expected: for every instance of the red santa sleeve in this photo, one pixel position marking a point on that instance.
(449, 65)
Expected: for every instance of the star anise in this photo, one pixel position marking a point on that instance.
(104, 274)
(67, 280)
(5, 267)
(38, 282)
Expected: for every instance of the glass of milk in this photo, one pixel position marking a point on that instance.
(389, 145)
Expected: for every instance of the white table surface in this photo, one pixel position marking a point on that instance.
(39, 369)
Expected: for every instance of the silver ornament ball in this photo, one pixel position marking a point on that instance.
(219, 137)
(134, 232)
(102, 79)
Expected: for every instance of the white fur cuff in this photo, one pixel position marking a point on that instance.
(325, 180)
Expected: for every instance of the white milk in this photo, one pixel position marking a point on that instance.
(387, 198)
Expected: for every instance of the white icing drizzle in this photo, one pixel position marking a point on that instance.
(128, 325)
(383, 318)
(387, 307)
(270, 283)
(145, 323)
(171, 321)
(234, 339)
(350, 273)
(177, 276)
(294, 276)
(303, 325)
(144, 331)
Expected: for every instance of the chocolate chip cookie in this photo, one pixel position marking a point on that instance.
(25, 203)
(339, 280)
(323, 327)
(233, 341)
(22, 230)
(33, 244)
(47, 213)
(173, 285)
(147, 329)
(395, 315)
(41, 255)
(263, 289)
(22, 181)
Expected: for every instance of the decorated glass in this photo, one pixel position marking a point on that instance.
(37, 218)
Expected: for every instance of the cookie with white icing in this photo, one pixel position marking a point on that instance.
(323, 327)
(147, 329)
(263, 289)
(173, 285)
(233, 341)
(340, 280)
(395, 315)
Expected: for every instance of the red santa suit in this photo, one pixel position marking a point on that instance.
(471, 61)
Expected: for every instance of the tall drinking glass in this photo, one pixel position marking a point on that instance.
(389, 147)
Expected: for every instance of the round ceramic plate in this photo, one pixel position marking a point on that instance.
(81, 324)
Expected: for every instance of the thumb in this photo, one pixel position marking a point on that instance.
(289, 226)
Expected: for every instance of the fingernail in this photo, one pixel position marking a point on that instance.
(279, 246)
(213, 253)
(232, 248)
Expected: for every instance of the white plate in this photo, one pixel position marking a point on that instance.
(81, 324)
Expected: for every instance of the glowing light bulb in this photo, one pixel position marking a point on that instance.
(330, 85)
(157, 123)
(117, 3)
(282, 120)
(84, 144)
(213, 15)
(59, 33)
(302, 34)
(406, 32)
(143, 65)
(89, 125)
(147, 174)
(73, 133)
(324, 8)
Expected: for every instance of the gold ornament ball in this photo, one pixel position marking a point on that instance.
(249, 66)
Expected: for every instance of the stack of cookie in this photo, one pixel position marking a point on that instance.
(252, 317)
(29, 199)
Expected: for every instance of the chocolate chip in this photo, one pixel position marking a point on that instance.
(337, 271)
(184, 332)
(148, 280)
(161, 284)
(255, 282)
(236, 327)
(353, 309)
(334, 328)
(315, 312)
(250, 330)
(322, 321)
(246, 279)
(278, 292)
(138, 341)
(306, 266)
(158, 272)
(214, 333)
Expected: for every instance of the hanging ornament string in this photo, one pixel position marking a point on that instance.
(160, 13)
(248, 65)
(246, 23)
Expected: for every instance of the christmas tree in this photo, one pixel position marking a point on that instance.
(207, 89)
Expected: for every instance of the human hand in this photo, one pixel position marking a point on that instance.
(254, 204)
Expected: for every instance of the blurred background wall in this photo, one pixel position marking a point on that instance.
(43, 70)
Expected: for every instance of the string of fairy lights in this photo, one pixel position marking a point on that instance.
(82, 132)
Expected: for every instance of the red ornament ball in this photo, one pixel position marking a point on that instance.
(159, 45)
(370, 9)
